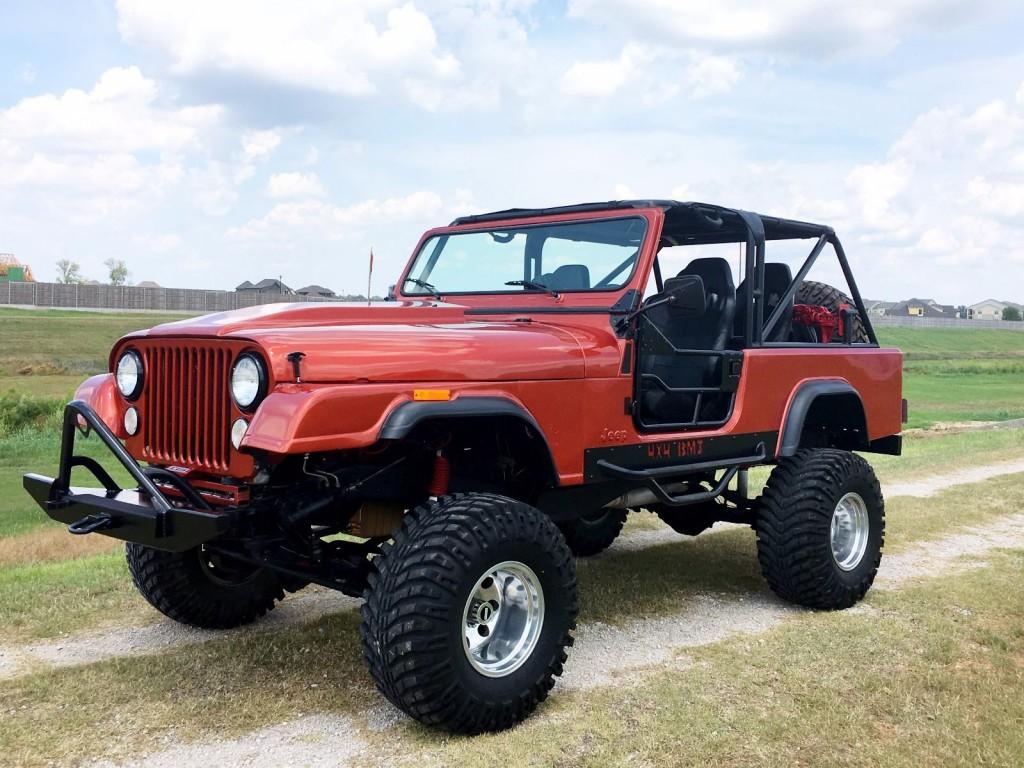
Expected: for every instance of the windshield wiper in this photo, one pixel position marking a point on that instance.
(534, 286)
(425, 286)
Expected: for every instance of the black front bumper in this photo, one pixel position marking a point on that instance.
(145, 516)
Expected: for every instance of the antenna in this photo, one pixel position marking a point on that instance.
(369, 278)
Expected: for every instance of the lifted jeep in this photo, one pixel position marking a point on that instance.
(534, 376)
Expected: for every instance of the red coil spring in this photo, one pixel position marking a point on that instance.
(440, 477)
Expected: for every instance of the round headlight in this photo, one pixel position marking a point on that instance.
(131, 421)
(238, 430)
(128, 374)
(248, 381)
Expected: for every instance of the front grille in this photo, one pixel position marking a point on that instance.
(186, 406)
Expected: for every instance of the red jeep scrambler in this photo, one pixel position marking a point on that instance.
(534, 376)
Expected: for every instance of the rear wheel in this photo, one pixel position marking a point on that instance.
(201, 588)
(469, 612)
(593, 533)
(820, 528)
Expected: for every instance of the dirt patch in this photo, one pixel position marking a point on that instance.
(52, 544)
(604, 653)
(938, 557)
(311, 741)
(929, 486)
(92, 647)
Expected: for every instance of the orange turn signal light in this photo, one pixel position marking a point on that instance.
(431, 394)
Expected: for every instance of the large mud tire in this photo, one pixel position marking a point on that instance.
(199, 589)
(593, 533)
(822, 295)
(415, 632)
(807, 551)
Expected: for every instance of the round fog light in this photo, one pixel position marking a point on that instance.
(131, 421)
(238, 432)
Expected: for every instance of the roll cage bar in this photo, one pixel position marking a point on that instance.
(693, 223)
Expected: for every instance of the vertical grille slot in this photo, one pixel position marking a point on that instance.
(186, 408)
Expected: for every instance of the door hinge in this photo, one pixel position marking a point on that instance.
(630, 406)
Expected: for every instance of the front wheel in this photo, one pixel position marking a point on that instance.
(201, 588)
(469, 612)
(820, 528)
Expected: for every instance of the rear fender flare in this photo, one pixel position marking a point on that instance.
(804, 397)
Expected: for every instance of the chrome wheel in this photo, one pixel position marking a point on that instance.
(502, 619)
(849, 531)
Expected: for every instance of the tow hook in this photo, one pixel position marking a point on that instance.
(91, 524)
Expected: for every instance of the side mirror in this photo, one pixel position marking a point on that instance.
(685, 296)
(392, 294)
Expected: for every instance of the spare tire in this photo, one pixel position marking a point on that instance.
(822, 295)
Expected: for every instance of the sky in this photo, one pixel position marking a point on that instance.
(207, 143)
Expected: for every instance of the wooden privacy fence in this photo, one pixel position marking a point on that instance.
(130, 297)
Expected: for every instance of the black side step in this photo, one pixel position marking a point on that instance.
(651, 477)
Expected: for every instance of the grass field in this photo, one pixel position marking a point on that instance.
(960, 374)
(951, 375)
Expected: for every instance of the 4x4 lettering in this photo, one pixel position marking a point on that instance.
(675, 449)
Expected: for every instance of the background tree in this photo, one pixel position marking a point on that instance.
(118, 271)
(1011, 313)
(69, 271)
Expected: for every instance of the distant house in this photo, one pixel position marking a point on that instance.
(270, 286)
(147, 284)
(316, 290)
(919, 308)
(992, 309)
(878, 308)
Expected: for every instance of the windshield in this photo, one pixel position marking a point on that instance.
(594, 255)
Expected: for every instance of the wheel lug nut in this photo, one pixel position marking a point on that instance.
(483, 630)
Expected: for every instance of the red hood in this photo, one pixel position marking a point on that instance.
(392, 342)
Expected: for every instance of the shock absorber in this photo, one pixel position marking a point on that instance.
(440, 476)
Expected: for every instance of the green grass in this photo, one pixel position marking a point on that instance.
(37, 345)
(39, 451)
(960, 374)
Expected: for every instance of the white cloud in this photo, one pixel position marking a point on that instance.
(318, 45)
(259, 144)
(119, 114)
(99, 152)
(703, 75)
(316, 218)
(603, 78)
(812, 27)
(294, 184)
(876, 186)
(710, 75)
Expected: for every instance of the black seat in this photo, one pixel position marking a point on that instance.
(711, 331)
(568, 277)
(777, 277)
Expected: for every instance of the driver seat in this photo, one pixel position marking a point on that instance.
(712, 332)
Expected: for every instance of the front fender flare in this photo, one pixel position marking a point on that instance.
(404, 418)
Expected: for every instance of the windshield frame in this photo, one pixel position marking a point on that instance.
(526, 224)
